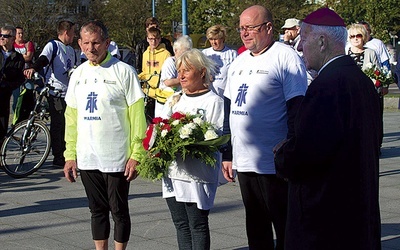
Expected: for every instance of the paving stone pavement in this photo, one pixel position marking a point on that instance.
(46, 212)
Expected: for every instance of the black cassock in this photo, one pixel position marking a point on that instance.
(332, 163)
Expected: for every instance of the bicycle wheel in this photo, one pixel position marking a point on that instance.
(20, 161)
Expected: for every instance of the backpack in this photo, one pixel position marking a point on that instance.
(43, 72)
(53, 55)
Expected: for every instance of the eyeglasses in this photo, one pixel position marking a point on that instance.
(251, 28)
(5, 35)
(153, 39)
(359, 36)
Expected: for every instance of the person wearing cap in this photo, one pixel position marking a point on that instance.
(291, 30)
(264, 88)
(332, 161)
(292, 38)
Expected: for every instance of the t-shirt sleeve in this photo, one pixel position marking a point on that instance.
(295, 77)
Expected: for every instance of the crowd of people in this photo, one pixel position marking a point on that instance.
(306, 124)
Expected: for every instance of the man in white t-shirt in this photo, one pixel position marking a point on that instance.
(105, 123)
(264, 88)
(58, 57)
(377, 45)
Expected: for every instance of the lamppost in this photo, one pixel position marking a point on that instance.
(153, 7)
(184, 18)
(394, 37)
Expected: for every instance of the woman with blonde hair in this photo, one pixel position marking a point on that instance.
(221, 54)
(191, 185)
(364, 57)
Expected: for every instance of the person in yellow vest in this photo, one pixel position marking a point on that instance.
(153, 59)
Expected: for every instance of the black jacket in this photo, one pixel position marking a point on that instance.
(12, 74)
(332, 163)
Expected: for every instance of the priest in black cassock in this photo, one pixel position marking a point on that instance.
(332, 162)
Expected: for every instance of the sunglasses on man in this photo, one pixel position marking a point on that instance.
(5, 35)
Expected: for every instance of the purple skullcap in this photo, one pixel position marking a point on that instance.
(324, 17)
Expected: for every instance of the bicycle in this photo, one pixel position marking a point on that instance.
(149, 102)
(27, 145)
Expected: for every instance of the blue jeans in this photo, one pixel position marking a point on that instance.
(191, 225)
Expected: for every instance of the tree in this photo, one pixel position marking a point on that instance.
(125, 20)
(383, 16)
(38, 18)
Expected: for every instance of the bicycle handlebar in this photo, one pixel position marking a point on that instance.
(47, 87)
(148, 79)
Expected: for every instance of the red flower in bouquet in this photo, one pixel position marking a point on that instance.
(380, 77)
(178, 116)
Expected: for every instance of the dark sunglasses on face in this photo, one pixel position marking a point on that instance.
(5, 35)
(357, 36)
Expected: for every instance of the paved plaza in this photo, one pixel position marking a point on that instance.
(46, 212)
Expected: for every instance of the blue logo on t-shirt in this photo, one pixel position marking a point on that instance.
(241, 97)
(92, 102)
(69, 64)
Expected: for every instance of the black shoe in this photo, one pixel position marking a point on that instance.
(58, 162)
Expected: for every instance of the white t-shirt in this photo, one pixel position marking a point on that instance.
(223, 59)
(380, 49)
(191, 180)
(258, 87)
(102, 95)
(168, 71)
(64, 60)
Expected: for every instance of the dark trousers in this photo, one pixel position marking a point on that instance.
(265, 200)
(191, 225)
(57, 107)
(381, 107)
(108, 192)
(5, 97)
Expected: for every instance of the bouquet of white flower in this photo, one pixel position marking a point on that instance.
(182, 134)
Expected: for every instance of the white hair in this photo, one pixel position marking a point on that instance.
(195, 59)
(338, 34)
(182, 44)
